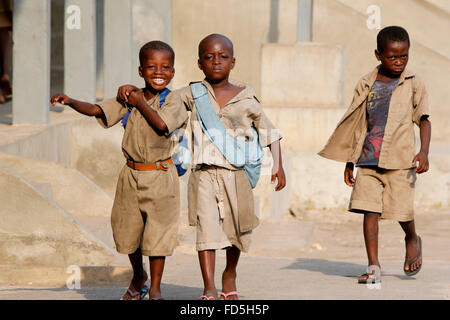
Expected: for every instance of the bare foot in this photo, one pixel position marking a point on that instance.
(154, 294)
(413, 259)
(209, 294)
(229, 285)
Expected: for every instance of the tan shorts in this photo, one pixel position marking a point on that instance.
(388, 192)
(217, 213)
(146, 210)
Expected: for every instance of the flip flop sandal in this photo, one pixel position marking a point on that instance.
(143, 292)
(410, 262)
(206, 298)
(132, 294)
(373, 275)
(231, 293)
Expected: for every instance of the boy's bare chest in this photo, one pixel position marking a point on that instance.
(223, 97)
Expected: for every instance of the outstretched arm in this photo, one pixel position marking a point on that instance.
(82, 107)
(277, 170)
(425, 137)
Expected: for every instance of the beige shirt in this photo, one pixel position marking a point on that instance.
(238, 116)
(409, 102)
(141, 143)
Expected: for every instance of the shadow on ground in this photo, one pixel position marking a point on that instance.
(336, 268)
(169, 292)
(6, 112)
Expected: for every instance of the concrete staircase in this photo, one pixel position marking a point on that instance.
(52, 215)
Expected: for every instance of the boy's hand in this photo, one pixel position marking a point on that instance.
(281, 179)
(124, 92)
(348, 175)
(136, 98)
(423, 166)
(60, 98)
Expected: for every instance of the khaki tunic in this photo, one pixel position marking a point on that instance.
(230, 197)
(147, 203)
(409, 102)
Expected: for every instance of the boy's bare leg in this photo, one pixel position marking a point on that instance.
(139, 274)
(229, 274)
(207, 259)
(370, 227)
(412, 244)
(156, 272)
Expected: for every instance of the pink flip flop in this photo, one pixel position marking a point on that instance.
(231, 293)
(206, 298)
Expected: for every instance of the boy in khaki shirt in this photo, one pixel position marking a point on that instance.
(146, 206)
(220, 195)
(377, 134)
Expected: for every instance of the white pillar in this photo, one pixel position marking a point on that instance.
(304, 24)
(31, 62)
(118, 45)
(80, 50)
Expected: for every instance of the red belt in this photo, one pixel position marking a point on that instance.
(160, 165)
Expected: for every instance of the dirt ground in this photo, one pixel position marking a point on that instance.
(339, 235)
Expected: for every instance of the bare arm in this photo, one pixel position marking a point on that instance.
(277, 170)
(82, 107)
(425, 138)
(136, 99)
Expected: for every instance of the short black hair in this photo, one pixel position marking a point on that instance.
(214, 36)
(155, 45)
(391, 34)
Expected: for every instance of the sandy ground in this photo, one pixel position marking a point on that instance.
(316, 255)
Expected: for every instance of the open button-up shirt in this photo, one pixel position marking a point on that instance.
(409, 102)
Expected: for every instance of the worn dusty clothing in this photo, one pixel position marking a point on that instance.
(388, 192)
(141, 143)
(376, 115)
(146, 210)
(409, 102)
(218, 210)
(238, 116)
(147, 203)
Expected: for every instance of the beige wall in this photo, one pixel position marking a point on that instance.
(423, 24)
(302, 75)
(246, 23)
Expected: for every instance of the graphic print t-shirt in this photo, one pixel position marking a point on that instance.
(377, 112)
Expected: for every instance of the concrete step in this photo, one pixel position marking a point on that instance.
(36, 230)
(70, 189)
(64, 277)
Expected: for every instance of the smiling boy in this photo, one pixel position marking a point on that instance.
(146, 206)
(377, 134)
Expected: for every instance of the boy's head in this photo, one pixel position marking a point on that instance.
(393, 49)
(216, 57)
(156, 60)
